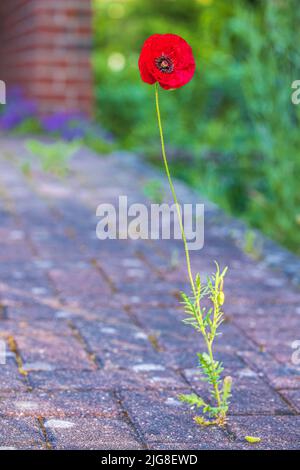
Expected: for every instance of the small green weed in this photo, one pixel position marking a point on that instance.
(54, 158)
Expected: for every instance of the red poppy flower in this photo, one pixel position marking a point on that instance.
(167, 59)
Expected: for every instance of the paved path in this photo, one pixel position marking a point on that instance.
(96, 350)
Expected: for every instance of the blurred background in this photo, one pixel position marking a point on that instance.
(232, 133)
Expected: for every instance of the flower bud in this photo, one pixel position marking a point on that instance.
(228, 381)
(221, 295)
(221, 298)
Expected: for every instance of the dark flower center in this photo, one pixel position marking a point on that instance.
(164, 64)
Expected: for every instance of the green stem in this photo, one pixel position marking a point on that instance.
(187, 255)
(215, 384)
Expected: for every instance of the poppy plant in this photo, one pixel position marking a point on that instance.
(167, 60)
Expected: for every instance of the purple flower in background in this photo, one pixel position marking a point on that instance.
(69, 125)
(17, 109)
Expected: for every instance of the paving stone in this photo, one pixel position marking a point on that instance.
(253, 396)
(278, 375)
(59, 404)
(115, 335)
(293, 397)
(208, 445)
(53, 246)
(150, 289)
(98, 325)
(51, 345)
(92, 287)
(265, 333)
(187, 358)
(120, 345)
(14, 251)
(106, 315)
(276, 338)
(92, 433)
(23, 275)
(34, 311)
(31, 311)
(105, 380)
(260, 309)
(177, 425)
(21, 433)
(11, 379)
(181, 359)
(138, 360)
(276, 432)
(38, 329)
(149, 299)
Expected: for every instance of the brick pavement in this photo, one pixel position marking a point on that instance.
(96, 350)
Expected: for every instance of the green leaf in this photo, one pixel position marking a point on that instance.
(192, 400)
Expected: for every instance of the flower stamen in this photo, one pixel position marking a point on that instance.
(164, 64)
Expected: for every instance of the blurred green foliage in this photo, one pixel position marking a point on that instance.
(54, 157)
(154, 191)
(233, 132)
(28, 126)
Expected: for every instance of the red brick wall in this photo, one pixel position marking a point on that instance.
(45, 48)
